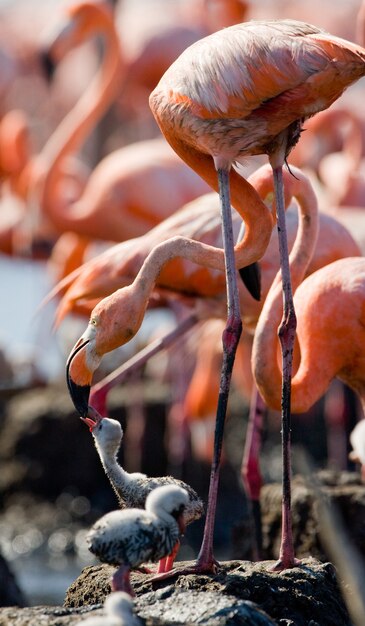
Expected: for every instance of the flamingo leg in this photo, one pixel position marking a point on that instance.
(162, 565)
(121, 580)
(172, 556)
(230, 338)
(286, 334)
(250, 470)
(165, 566)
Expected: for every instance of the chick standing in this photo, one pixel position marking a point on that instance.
(131, 537)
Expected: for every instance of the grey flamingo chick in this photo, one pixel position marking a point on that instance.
(132, 489)
(118, 611)
(131, 537)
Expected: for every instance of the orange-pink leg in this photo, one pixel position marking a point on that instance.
(170, 560)
(166, 564)
(121, 580)
(250, 470)
(162, 565)
(286, 334)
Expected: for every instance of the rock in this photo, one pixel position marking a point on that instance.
(42, 616)
(198, 607)
(303, 596)
(156, 610)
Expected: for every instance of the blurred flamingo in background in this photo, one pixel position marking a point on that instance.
(14, 147)
(130, 190)
(360, 25)
(337, 129)
(148, 61)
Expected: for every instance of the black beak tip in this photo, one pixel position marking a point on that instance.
(47, 65)
(251, 278)
(79, 396)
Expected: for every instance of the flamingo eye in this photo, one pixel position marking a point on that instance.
(93, 321)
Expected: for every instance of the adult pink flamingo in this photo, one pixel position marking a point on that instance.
(237, 93)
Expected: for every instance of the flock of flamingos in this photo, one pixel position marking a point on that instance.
(247, 169)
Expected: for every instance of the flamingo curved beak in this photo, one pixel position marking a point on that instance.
(93, 418)
(78, 377)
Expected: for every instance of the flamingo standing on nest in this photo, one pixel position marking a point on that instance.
(131, 537)
(242, 91)
(133, 489)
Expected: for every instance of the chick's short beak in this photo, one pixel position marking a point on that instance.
(78, 378)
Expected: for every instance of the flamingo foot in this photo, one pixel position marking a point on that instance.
(285, 563)
(204, 568)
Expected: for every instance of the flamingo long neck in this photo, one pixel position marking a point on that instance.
(119, 478)
(266, 368)
(244, 199)
(135, 297)
(75, 128)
